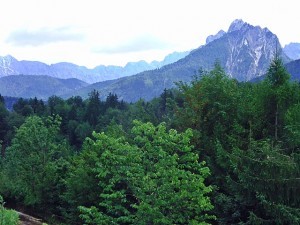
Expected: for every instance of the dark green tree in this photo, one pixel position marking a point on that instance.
(57, 106)
(23, 107)
(94, 108)
(2, 101)
(4, 128)
(111, 101)
(292, 127)
(38, 106)
(210, 109)
(278, 79)
(77, 108)
(268, 181)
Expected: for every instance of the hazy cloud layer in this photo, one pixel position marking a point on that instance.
(43, 36)
(142, 43)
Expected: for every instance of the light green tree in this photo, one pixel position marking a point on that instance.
(154, 179)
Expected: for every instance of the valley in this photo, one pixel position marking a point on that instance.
(207, 136)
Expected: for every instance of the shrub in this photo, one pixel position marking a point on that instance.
(7, 217)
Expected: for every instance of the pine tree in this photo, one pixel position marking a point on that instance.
(94, 108)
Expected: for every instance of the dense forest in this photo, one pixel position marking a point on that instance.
(213, 151)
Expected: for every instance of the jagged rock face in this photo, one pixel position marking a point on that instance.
(236, 25)
(251, 50)
(6, 65)
(244, 51)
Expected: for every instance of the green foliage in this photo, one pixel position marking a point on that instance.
(156, 179)
(140, 173)
(277, 74)
(249, 137)
(94, 108)
(271, 178)
(4, 124)
(2, 99)
(111, 101)
(292, 118)
(35, 161)
(7, 217)
(281, 95)
(81, 182)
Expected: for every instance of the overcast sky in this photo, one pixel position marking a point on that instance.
(114, 32)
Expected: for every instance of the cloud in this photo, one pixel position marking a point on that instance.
(43, 36)
(138, 44)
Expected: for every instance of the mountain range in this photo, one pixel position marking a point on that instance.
(244, 51)
(11, 66)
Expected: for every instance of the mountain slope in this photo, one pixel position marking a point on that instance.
(294, 69)
(11, 66)
(292, 50)
(29, 86)
(245, 52)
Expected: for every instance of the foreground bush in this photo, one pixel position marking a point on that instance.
(7, 217)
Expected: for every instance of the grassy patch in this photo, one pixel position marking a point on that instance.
(7, 216)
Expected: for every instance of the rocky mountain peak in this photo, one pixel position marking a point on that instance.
(211, 38)
(251, 50)
(5, 64)
(7, 59)
(236, 25)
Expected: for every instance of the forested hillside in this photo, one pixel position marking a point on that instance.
(30, 86)
(213, 151)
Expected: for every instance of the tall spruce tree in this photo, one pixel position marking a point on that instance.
(94, 108)
(267, 172)
(278, 78)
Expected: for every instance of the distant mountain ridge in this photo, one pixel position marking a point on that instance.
(11, 66)
(294, 69)
(292, 50)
